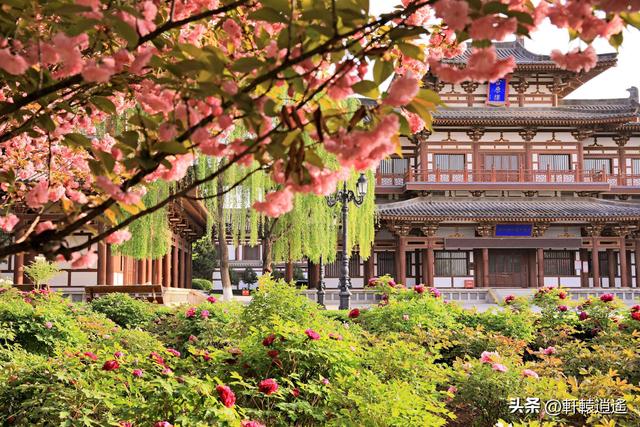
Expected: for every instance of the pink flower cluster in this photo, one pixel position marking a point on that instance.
(492, 358)
(483, 65)
(576, 60)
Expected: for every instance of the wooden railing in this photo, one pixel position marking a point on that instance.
(507, 176)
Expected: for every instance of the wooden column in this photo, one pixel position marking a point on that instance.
(424, 162)
(149, 271)
(613, 266)
(369, 268)
(540, 253)
(141, 270)
(102, 263)
(532, 256)
(401, 261)
(18, 269)
(595, 263)
(109, 266)
(166, 270)
(584, 275)
(485, 267)
(430, 265)
(157, 271)
(185, 268)
(637, 259)
(174, 267)
(425, 267)
(624, 278)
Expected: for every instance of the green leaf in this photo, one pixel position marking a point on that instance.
(616, 40)
(104, 104)
(267, 14)
(632, 19)
(46, 123)
(245, 65)
(382, 70)
(125, 31)
(429, 96)
(77, 140)
(367, 88)
(312, 157)
(495, 7)
(411, 51)
(171, 147)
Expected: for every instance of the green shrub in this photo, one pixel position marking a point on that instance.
(202, 284)
(123, 309)
(507, 322)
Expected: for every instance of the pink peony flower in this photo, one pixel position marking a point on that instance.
(606, 297)
(173, 351)
(204, 314)
(137, 373)
(576, 60)
(118, 237)
(548, 350)
(405, 317)
(227, 397)
(402, 91)
(529, 373)
(325, 381)
(248, 423)
(167, 371)
(48, 325)
(434, 292)
(452, 389)
(118, 354)
(163, 424)
(499, 367)
(193, 338)
(313, 335)
(191, 312)
(268, 386)
(509, 299)
(419, 289)
(212, 299)
(110, 365)
(91, 355)
(354, 313)
(488, 356)
(8, 223)
(125, 424)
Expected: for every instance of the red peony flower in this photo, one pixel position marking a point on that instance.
(606, 297)
(636, 315)
(118, 354)
(212, 299)
(354, 314)
(509, 299)
(635, 308)
(273, 353)
(137, 373)
(163, 424)
(110, 365)
(562, 294)
(268, 386)
(191, 312)
(125, 424)
(583, 315)
(269, 340)
(372, 282)
(173, 351)
(91, 355)
(562, 308)
(419, 289)
(227, 397)
(313, 335)
(295, 391)
(247, 423)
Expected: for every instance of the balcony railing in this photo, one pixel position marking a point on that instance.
(520, 176)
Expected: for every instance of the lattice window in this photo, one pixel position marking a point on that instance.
(554, 162)
(558, 263)
(597, 165)
(448, 162)
(451, 263)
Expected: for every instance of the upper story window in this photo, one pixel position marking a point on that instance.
(393, 166)
(448, 162)
(250, 253)
(597, 165)
(502, 162)
(554, 162)
(635, 166)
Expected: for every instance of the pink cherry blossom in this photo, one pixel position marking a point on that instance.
(484, 65)
(12, 63)
(576, 60)
(44, 226)
(8, 223)
(230, 87)
(232, 29)
(39, 194)
(85, 260)
(492, 27)
(454, 12)
(402, 91)
(99, 72)
(276, 203)
(142, 58)
(68, 50)
(118, 237)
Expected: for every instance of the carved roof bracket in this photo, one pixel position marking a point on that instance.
(399, 229)
(469, 86)
(475, 134)
(594, 229)
(528, 134)
(429, 229)
(621, 139)
(582, 134)
(539, 229)
(623, 230)
(485, 229)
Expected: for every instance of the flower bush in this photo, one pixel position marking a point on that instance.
(281, 360)
(123, 309)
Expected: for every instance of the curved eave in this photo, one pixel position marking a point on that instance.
(510, 219)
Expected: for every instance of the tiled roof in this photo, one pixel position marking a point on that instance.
(599, 111)
(523, 57)
(587, 209)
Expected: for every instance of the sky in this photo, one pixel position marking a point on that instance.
(610, 84)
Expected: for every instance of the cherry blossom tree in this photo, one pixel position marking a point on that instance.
(100, 98)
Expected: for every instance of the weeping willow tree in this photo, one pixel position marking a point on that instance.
(150, 234)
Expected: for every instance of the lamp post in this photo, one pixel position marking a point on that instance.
(345, 196)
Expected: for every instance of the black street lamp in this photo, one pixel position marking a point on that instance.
(345, 196)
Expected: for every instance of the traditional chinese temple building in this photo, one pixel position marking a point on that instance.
(516, 186)
(187, 220)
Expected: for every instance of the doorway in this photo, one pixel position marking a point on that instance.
(508, 268)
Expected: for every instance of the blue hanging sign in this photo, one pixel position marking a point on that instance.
(514, 230)
(498, 92)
